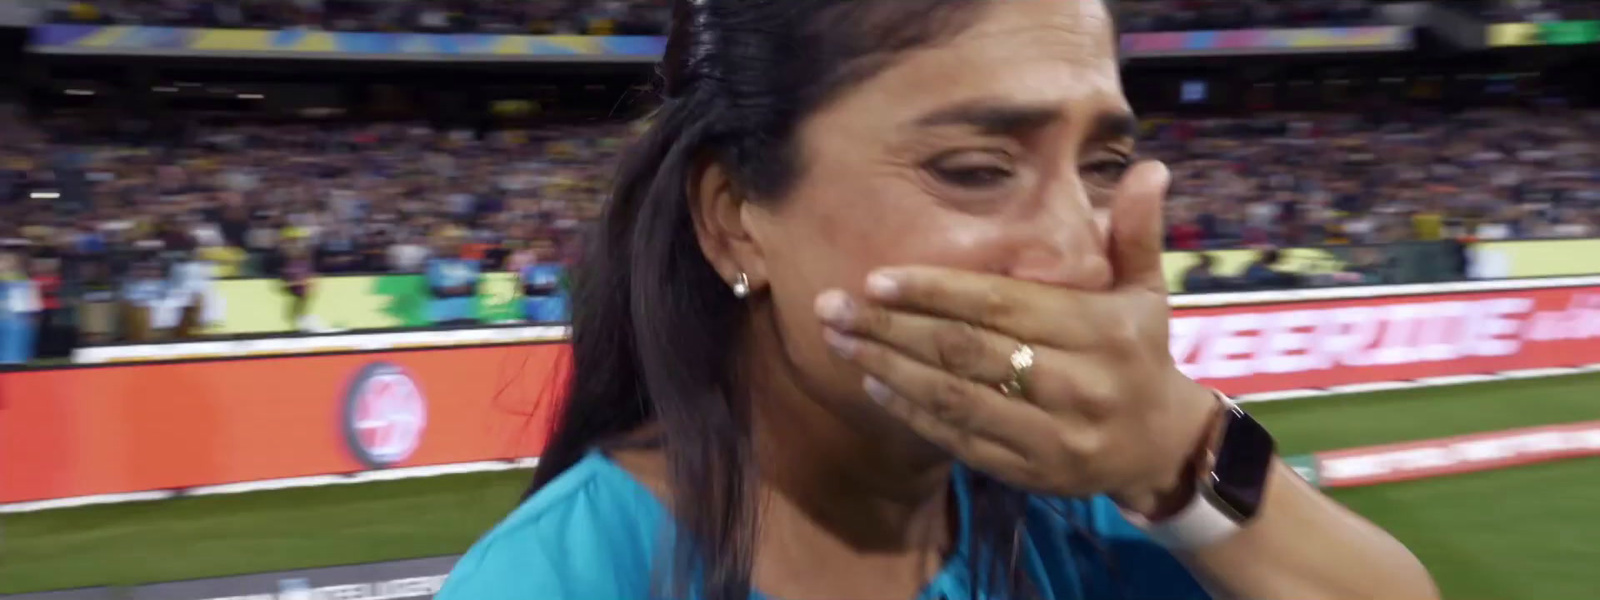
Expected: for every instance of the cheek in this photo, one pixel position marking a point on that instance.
(835, 237)
(832, 239)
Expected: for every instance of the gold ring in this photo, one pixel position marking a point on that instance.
(1021, 362)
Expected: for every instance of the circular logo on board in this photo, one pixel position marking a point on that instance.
(385, 415)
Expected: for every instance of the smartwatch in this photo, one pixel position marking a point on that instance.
(1229, 491)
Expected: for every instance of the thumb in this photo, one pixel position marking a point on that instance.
(1137, 230)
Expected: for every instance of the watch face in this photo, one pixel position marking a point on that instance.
(1244, 461)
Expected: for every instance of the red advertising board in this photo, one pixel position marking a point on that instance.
(1263, 348)
(80, 432)
(102, 430)
(1461, 454)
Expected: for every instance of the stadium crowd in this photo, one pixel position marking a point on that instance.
(624, 17)
(361, 199)
(294, 200)
(1315, 179)
(368, 197)
(608, 17)
(1197, 15)
(649, 17)
(157, 218)
(1538, 11)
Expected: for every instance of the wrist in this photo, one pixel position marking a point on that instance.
(1198, 427)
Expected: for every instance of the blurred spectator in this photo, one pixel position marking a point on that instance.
(1202, 278)
(191, 288)
(55, 331)
(163, 213)
(651, 17)
(406, 255)
(1265, 273)
(1539, 11)
(297, 272)
(1369, 266)
(142, 293)
(1135, 16)
(98, 306)
(542, 280)
(1293, 179)
(608, 17)
(19, 310)
(452, 281)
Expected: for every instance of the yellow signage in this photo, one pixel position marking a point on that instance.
(1555, 33)
(1535, 258)
(1232, 263)
(260, 306)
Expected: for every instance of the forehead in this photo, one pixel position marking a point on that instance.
(1038, 52)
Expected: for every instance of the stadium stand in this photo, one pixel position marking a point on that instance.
(367, 198)
(1313, 179)
(1190, 15)
(644, 17)
(113, 185)
(1518, 11)
(364, 197)
(612, 17)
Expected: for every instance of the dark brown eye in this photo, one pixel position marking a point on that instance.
(1109, 171)
(970, 170)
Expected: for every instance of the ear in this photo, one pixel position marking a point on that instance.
(717, 206)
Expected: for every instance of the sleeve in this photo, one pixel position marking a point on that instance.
(32, 302)
(491, 571)
(431, 273)
(1147, 570)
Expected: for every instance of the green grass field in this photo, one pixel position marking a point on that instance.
(1525, 533)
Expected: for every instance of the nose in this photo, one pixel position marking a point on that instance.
(1064, 241)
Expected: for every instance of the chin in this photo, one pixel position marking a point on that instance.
(892, 436)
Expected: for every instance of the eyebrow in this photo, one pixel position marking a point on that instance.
(1118, 125)
(992, 117)
(1003, 118)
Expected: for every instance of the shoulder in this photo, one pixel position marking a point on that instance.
(1088, 549)
(593, 532)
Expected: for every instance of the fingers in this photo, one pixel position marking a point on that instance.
(1008, 438)
(1023, 310)
(958, 347)
(967, 409)
(1136, 228)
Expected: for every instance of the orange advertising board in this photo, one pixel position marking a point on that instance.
(1321, 344)
(79, 432)
(127, 428)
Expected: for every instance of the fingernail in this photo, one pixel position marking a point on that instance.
(876, 390)
(834, 307)
(882, 285)
(841, 344)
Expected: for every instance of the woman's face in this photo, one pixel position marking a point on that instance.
(996, 150)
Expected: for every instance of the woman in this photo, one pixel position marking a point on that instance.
(768, 400)
(297, 273)
(19, 310)
(143, 290)
(452, 280)
(54, 333)
(543, 296)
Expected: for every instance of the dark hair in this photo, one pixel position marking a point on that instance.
(654, 325)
